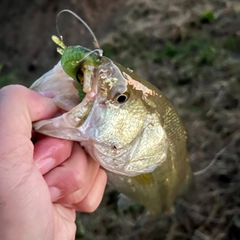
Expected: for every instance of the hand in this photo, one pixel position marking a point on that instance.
(41, 184)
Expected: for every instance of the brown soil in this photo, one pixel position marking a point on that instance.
(189, 49)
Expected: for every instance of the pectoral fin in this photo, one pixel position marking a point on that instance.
(145, 178)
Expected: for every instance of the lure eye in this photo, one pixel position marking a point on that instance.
(122, 98)
(79, 75)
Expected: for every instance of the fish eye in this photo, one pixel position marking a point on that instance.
(122, 98)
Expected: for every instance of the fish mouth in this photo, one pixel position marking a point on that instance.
(73, 111)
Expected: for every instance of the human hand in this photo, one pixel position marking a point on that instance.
(41, 184)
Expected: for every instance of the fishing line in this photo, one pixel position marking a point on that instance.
(95, 41)
(99, 51)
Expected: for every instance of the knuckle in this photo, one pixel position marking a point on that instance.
(90, 204)
(75, 180)
(14, 93)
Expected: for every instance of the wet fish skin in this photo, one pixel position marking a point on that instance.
(158, 190)
(141, 143)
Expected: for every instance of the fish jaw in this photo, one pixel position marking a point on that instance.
(56, 127)
(68, 125)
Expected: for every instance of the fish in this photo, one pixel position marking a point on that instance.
(124, 122)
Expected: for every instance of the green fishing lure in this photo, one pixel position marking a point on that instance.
(78, 62)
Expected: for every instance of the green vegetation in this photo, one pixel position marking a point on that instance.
(232, 43)
(80, 228)
(197, 50)
(8, 78)
(208, 16)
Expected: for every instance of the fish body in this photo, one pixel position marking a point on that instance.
(159, 147)
(127, 125)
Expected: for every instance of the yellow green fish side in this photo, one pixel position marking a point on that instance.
(158, 190)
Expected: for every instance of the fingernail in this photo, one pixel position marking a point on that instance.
(45, 165)
(55, 193)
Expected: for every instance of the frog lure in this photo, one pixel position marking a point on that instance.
(124, 122)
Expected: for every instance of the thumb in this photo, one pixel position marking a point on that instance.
(21, 185)
(20, 107)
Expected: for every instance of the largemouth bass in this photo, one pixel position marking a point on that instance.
(124, 122)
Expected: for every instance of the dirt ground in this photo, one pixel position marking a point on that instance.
(191, 51)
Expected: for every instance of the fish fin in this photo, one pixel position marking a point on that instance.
(124, 202)
(145, 178)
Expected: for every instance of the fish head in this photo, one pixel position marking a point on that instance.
(113, 122)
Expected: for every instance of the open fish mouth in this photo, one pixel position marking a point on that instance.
(73, 112)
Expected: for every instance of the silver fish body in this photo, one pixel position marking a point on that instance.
(131, 129)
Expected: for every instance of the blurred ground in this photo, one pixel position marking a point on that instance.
(191, 51)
